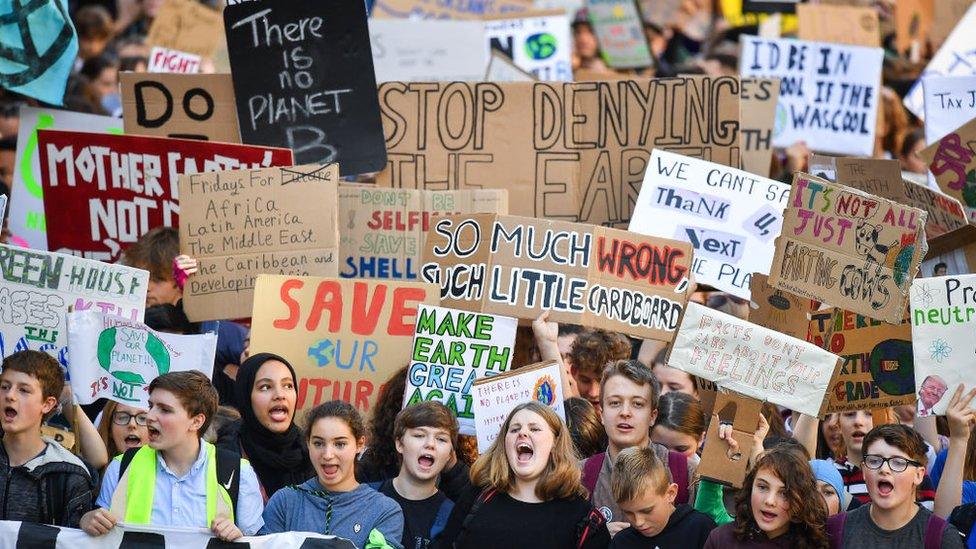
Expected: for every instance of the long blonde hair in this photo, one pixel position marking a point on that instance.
(561, 478)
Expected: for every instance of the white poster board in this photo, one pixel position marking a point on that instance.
(943, 315)
(539, 44)
(828, 95)
(956, 57)
(428, 50)
(167, 60)
(451, 349)
(731, 217)
(116, 358)
(752, 360)
(495, 397)
(950, 101)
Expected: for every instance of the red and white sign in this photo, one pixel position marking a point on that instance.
(167, 60)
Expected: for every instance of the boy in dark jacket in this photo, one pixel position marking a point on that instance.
(642, 487)
(40, 481)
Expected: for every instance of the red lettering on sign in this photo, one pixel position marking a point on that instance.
(294, 310)
(363, 320)
(401, 311)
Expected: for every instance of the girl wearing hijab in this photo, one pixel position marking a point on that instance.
(266, 434)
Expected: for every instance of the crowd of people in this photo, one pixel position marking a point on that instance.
(232, 452)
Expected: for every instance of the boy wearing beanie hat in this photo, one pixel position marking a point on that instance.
(830, 484)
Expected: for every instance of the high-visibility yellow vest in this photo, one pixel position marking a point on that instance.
(133, 497)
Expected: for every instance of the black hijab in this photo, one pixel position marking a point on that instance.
(279, 459)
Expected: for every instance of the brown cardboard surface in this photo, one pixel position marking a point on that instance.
(369, 324)
(952, 160)
(757, 108)
(963, 237)
(586, 275)
(383, 230)
(778, 309)
(847, 248)
(913, 22)
(242, 223)
(945, 15)
(851, 25)
(877, 369)
(431, 9)
(716, 463)
(188, 106)
(186, 25)
(565, 151)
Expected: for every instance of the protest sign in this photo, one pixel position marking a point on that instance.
(494, 397)
(828, 95)
(303, 79)
(242, 223)
(620, 32)
(434, 9)
(116, 358)
(848, 248)
(583, 274)
(952, 160)
(383, 230)
(953, 253)
(163, 60)
(520, 136)
(752, 360)
(39, 48)
(956, 57)
(729, 216)
(38, 288)
(345, 338)
(3, 207)
(185, 106)
(187, 26)
(778, 309)
(852, 25)
(434, 50)
(451, 349)
(757, 114)
(129, 184)
(537, 42)
(876, 360)
(945, 15)
(663, 13)
(743, 415)
(913, 22)
(948, 101)
(732, 11)
(128, 536)
(502, 69)
(27, 193)
(943, 322)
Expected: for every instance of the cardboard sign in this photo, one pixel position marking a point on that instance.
(185, 106)
(167, 60)
(37, 289)
(303, 79)
(242, 223)
(433, 9)
(953, 253)
(383, 230)
(116, 358)
(344, 338)
(451, 349)
(852, 25)
(948, 100)
(828, 95)
(753, 360)
(502, 69)
(943, 322)
(876, 360)
(187, 26)
(39, 48)
(27, 193)
(496, 396)
(105, 191)
(663, 13)
(945, 15)
(586, 275)
(778, 309)
(412, 51)
(913, 22)
(519, 136)
(957, 57)
(848, 248)
(952, 160)
(620, 32)
(729, 216)
(539, 43)
(757, 108)
(716, 463)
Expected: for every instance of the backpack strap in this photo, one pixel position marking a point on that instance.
(678, 465)
(441, 518)
(126, 460)
(835, 529)
(483, 498)
(228, 474)
(934, 529)
(590, 524)
(591, 471)
(963, 518)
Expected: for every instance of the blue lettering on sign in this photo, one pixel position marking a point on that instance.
(345, 354)
(379, 267)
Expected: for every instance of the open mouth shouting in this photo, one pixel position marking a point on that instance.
(524, 452)
(132, 441)
(768, 517)
(279, 413)
(885, 488)
(153, 433)
(330, 470)
(858, 436)
(426, 461)
(9, 414)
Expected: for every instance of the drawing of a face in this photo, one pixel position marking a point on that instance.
(932, 390)
(866, 237)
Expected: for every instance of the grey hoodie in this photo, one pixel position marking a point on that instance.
(54, 487)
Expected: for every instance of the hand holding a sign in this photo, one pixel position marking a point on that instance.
(725, 432)
(98, 522)
(546, 334)
(961, 419)
(225, 529)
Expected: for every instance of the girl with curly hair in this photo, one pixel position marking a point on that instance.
(775, 507)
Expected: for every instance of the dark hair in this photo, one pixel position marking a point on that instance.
(40, 365)
(8, 143)
(94, 66)
(940, 265)
(168, 318)
(428, 413)
(635, 371)
(585, 428)
(910, 140)
(681, 413)
(338, 409)
(130, 63)
(154, 252)
(570, 329)
(194, 391)
(93, 22)
(381, 450)
(808, 516)
(900, 436)
(789, 444)
(594, 349)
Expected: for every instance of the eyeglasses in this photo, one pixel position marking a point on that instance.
(123, 418)
(897, 464)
